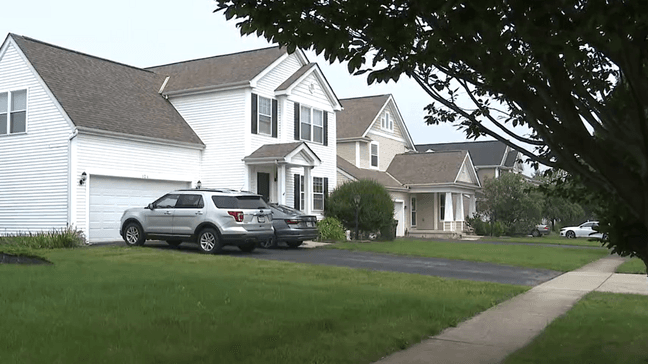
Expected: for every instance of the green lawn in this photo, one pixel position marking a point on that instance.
(557, 258)
(549, 239)
(601, 328)
(144, 305)
(633, 266)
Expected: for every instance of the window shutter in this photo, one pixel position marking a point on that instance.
(297, 109)
(325, 128)
(297, 192)
(254, 113)
(274, 118)
(325, 186)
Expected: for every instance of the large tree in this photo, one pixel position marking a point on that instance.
(574, 71)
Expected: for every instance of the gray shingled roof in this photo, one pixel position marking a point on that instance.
(483, 153)
(381, 177)
(276, 151)
(427, 168)
(216, 71)
(104, 95)
(358, 114)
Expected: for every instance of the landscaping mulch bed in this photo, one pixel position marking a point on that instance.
(20, 259)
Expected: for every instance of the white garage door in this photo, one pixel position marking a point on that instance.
(110, 196)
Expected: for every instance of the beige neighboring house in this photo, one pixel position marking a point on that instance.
(432, 192)
(491, 157)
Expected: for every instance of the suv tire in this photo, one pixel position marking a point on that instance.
(270, 243)
(133, 234)
(535, 233)
(209, 242)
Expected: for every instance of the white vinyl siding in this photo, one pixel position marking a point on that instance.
(34, 167)
(221, 120)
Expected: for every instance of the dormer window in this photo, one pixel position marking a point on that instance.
(374, 154)
(386, 122)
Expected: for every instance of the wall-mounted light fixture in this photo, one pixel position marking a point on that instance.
(198, 185)
(84, 177)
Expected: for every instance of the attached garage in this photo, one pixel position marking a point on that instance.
(110, 196)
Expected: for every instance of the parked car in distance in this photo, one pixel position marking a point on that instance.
(211, 218)
(540, 230)
(291, 226)
(584, 230)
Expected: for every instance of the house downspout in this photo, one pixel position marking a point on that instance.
(71, 176)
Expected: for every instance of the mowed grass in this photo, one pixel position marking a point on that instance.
(556, 258)
(632, 266)
(601, 328)
(144, 305)
(548, 239)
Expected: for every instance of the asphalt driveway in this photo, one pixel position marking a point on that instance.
(476, 271)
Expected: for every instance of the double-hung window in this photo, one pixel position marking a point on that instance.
(318, 193)
(265, 115)
(374, 154)
(13, 112)
(386, 122)
(312, 124)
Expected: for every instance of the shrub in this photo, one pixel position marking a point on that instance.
(330, 228)
(64, 238)
(388, 232)
(480, 227)
(375, 210)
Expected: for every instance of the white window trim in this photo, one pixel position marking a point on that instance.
(413, 211)
(377, 155)
(311, 124)
(318, 193)
(259, 132)
(9, 97)
(387, 122)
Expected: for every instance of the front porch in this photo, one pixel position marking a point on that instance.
(440, 214)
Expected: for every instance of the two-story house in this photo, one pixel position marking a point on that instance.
(432, 192)
(83, 138)
(491, 157)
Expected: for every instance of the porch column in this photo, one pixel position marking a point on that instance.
(472, 208)
(281, 184)
(308, 191)
(448, 207)
(459, 213)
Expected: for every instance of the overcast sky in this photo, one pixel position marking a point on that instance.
(145, 33)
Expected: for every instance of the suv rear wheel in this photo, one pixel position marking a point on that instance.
(209, 241)
(133, 234)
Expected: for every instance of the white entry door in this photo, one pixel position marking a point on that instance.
(110, 196)
(399, 214)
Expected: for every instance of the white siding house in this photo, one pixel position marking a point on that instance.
(83, 138)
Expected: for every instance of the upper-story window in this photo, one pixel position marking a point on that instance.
(264, 116)
(386, 122)
(373, 148)
(312, 124)
(13, 112)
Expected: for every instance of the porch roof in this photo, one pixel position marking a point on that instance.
(298, 153)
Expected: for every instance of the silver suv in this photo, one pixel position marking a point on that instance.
(209, 217)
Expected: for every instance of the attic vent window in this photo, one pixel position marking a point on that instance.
(386, 122)
(311, 88)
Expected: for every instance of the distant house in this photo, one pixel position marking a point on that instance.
(432, 192)
(83, 138)
(491, 157)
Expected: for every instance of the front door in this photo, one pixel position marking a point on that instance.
(263, 185)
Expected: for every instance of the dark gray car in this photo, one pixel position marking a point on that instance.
(291, 226)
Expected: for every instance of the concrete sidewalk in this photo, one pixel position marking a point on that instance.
(499, 331)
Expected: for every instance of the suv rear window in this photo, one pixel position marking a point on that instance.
(239, 202)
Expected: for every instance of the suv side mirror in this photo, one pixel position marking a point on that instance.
(150, 206)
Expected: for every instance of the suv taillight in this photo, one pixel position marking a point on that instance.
(237, 215)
